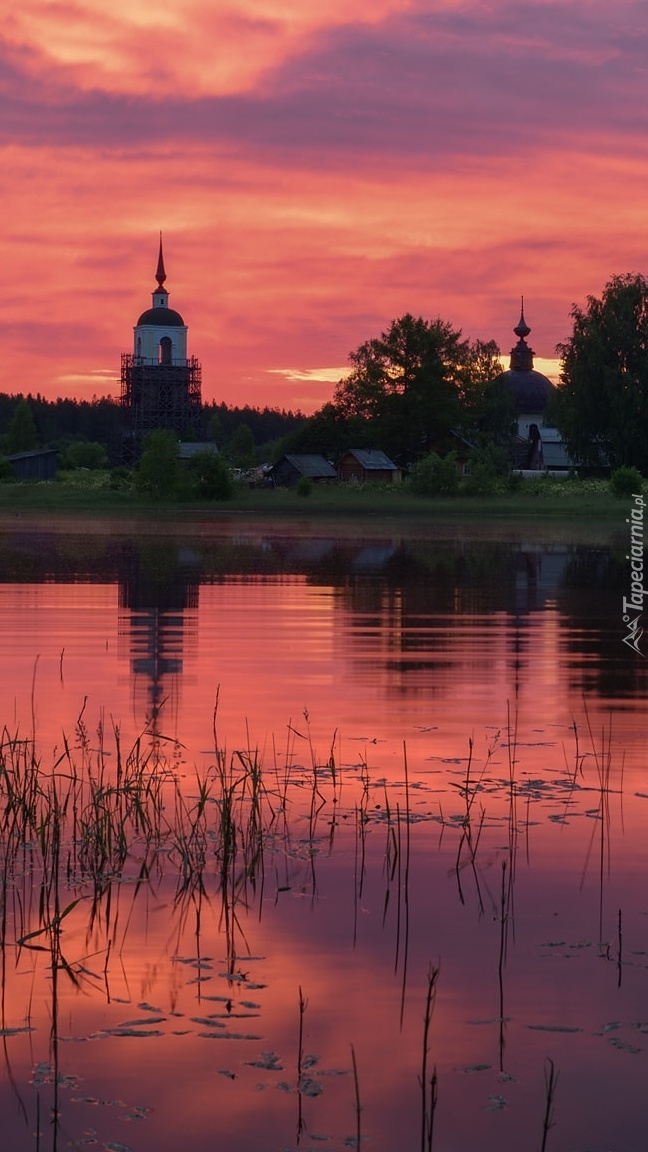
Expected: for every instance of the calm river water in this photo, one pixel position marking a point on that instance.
(313, 837)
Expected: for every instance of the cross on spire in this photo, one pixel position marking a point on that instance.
(160, 275)
(522, 330)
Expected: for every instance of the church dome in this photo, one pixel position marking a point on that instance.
(530, 389)
(161, 318)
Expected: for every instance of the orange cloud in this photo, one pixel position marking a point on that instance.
(315, 171)
(192, 48)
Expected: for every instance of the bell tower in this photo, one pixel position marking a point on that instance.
(160, 384)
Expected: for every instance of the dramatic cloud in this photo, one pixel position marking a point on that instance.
(316, 171)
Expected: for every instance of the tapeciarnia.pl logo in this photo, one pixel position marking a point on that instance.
(633, 604)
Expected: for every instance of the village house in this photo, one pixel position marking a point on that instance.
(364, 464)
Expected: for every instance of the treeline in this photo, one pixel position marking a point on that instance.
(33, 421)
(266, 424)
(57, 422)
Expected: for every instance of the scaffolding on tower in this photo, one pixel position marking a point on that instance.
(156, 395)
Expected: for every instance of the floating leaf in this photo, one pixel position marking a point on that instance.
(553, 1028)
(623, 1047)
(146, 1022)
(143, 1032)
(497, 1104)
(136, 1112)
(268, 1060)
(309, 1087)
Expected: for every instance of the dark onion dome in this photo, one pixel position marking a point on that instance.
(531, 390)
(161, 318)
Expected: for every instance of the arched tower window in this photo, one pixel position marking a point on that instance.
(165, 350)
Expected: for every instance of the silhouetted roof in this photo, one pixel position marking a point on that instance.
(372, 458)
(531, 390)
(187, 449)
(160, 318)
(311, 464)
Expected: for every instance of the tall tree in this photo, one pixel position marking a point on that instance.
(327, 432)
(488, 417)
(240, 449)
(406, 385)
(22, 435)
(601, 406)
(158, 470)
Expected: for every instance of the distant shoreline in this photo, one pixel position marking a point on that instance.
(573, 511)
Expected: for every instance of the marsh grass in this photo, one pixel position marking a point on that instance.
(93, 815)
(97, 814)
(428, 1088)
(551, 1083)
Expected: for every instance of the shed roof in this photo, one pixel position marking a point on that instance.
(31, 454)
(311, 464)
(190, 448)
(372, 458)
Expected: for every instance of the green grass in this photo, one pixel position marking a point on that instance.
(78, 492)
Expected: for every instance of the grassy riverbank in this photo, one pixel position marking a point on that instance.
(538, 500)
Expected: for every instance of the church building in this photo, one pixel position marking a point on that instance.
(538, 446)
(160, 384)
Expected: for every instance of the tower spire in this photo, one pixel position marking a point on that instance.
(522, 330)
(521, 354)
(160, 275)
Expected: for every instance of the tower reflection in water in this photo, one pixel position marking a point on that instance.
(158, 623)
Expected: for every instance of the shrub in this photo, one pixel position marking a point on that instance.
(487, 465)
(305, 486)
(211, 476)
(83, 454)
(158, 470)
(6, 470)
(514, 482)
(436, 475)
(121, 479)
(626, 481)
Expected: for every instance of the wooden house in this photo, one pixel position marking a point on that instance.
(39, 464)
(368, 464)
(288, 471)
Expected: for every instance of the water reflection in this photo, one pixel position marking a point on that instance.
(423, 615)
(158, 603)
(191, 945)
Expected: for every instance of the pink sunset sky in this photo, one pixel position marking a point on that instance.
(316, 171)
